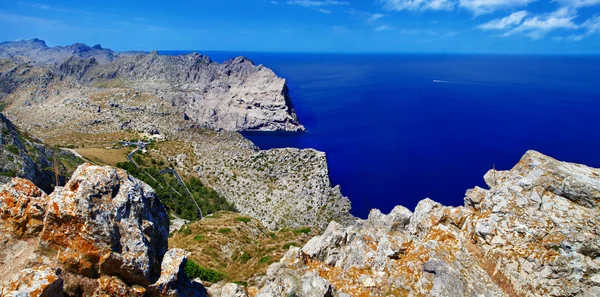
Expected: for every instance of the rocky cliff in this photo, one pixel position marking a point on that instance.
(103, 234)
(534, 232)
(25, 157)
(192, 102)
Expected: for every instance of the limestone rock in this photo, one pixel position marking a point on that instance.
(280, 187)
(111, 286)
(173, 281)
(533, 233)
(104, 221)
(22, 208)
(103, 234)
(41, 281)
(227, 290)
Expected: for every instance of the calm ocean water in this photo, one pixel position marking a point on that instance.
(400, 128)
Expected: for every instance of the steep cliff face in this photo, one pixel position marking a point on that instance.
(533, 233)
(297, 191)
(103, 234)
(24, 157)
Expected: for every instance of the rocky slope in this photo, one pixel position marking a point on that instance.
(235, 95)
(534, 232)
(25, 157)
(191, 101)
(282, 187)
(103, 234)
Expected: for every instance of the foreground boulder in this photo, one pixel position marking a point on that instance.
(104, 234)
(105, 222)
(535, 232)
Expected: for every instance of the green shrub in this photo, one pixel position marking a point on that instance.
(243, 219)
(245, 257)
(193, 270)
(266, 259)
(5, 131)
(8, 174)
(304, 230)
(199, 238)
(241, 283)
(13, 149)
(288, 245)
(185, 230)
(225, 230)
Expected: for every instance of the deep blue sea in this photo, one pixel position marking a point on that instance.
(400, 128)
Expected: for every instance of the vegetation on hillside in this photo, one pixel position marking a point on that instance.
(235, 247)
(172, 194)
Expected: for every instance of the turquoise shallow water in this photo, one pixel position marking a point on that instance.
(399, 128)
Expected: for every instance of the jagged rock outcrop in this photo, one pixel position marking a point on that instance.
(104, 234)
(105, 222)
(173, 281)
(533, 233)
(24, 157)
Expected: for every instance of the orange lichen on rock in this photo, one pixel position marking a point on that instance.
(22, 207)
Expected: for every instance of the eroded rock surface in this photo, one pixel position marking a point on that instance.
(104, 234)
(280, 187)
(533, 233)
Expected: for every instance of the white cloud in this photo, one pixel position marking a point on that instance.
(420, 5)
(510, 21)
(538, 26)
(383, 28)
(591, 27)
(321, 10)
(375, 16)
(578, 3)
(479, 7)
(364, 15)
(315, 3)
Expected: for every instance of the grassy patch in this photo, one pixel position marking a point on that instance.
(304, 230)
(185, 231)
(266, 260)
(243, 219)
(193, 270)
(225, 230)
(105, 156)
(245, 257)
(247, 245)
(288, 245)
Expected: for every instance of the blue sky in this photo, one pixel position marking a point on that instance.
(440, 26)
